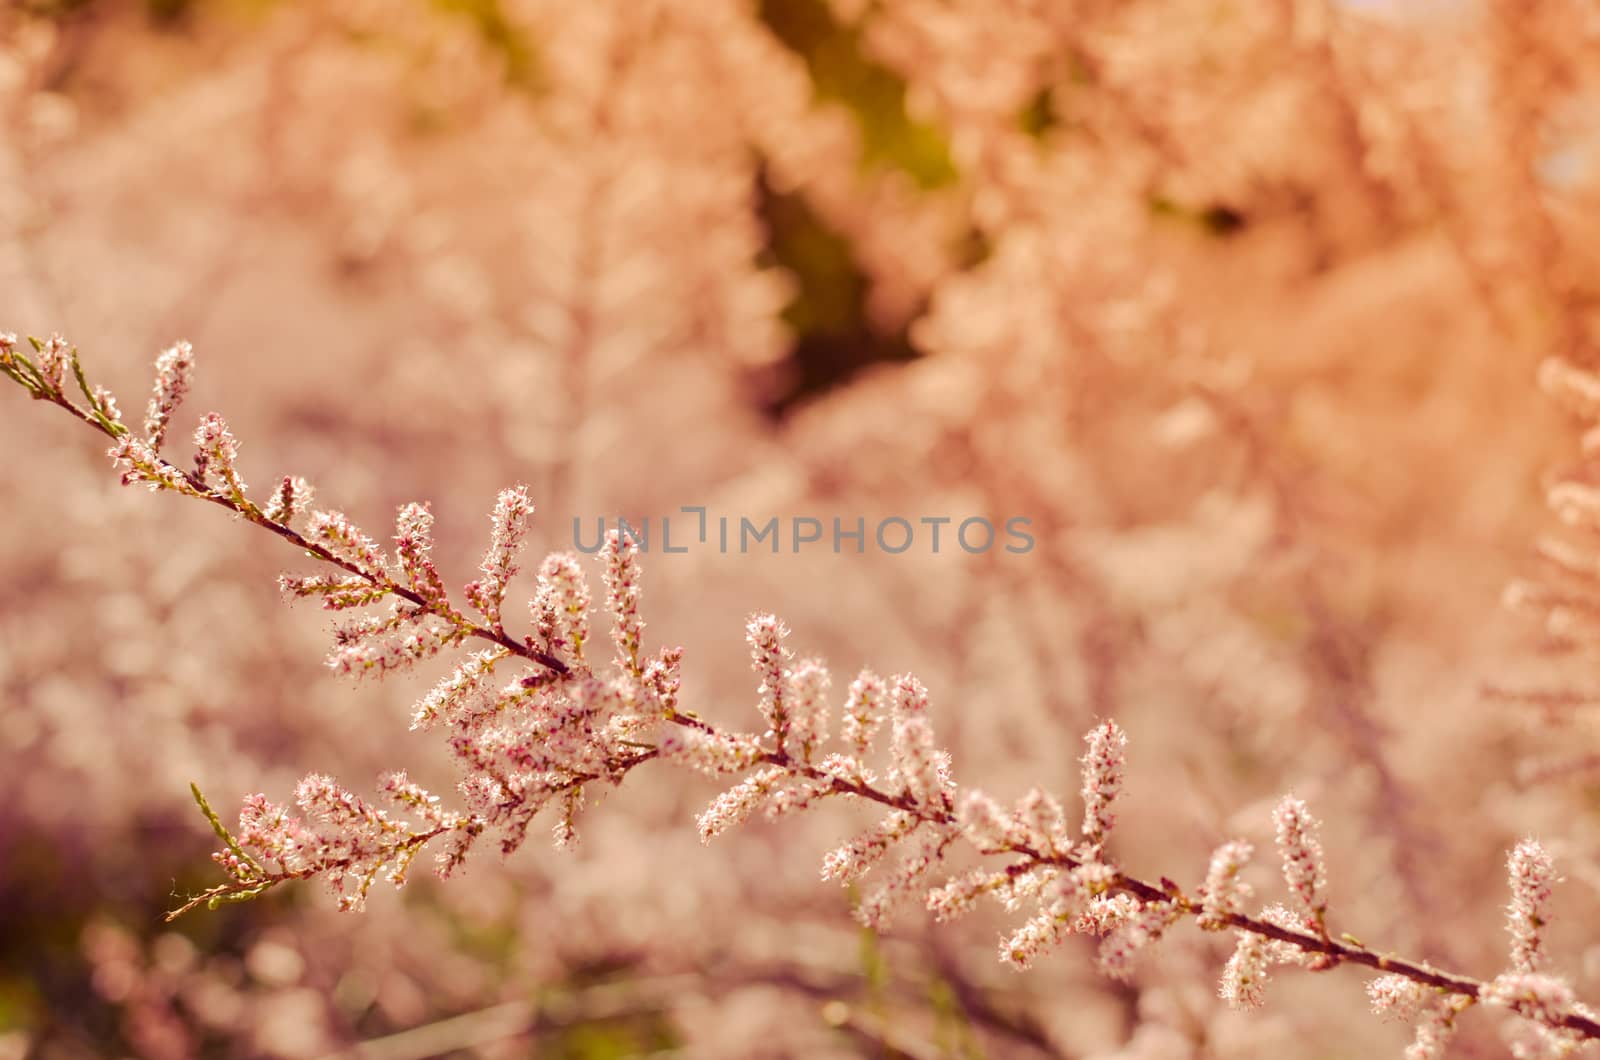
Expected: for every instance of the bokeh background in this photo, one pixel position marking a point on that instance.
(1242, 304)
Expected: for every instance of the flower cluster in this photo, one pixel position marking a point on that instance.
(1532, 875)
(533, 723)
(525, 740)
(174, 375)
(1555, 1022)
(1303, 868)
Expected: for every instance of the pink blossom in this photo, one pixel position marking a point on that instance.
(1303, 868)
(1038, 934)
(405, 793)
(1244, 979)
(622, 598)
(714, 754)
(561, 605)
(337, 593)
(877, 908)
(916, 762)
(1107, 912)
(1434, 1030)
(1396, 997)
(454, 694)
(735, 805)
(663, 678)
(808, 685)
(174, 375)
(346, 541)
(959, 895)
(1130, 938)
(289, 500)
(53, 357)
(1225, 893)
(565, 831)
(1532, 876)
(1542, 998)
(857, 857)
(987, 826)
(1042, 822)
(509, 521)
(864, 711)
(1062, 908)
(106, 401)
(413, 543)
(217, 452)
(765, 635)
(1103, 763)
(371, 648)
(138, 462)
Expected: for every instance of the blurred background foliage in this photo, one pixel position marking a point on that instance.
(834, 335)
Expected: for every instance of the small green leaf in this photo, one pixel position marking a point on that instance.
(77, 373)
(9, 367)
(223, 833)
(115, 427)
(20, 360)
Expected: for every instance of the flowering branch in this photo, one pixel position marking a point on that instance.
(536, 738)
(140, 461)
